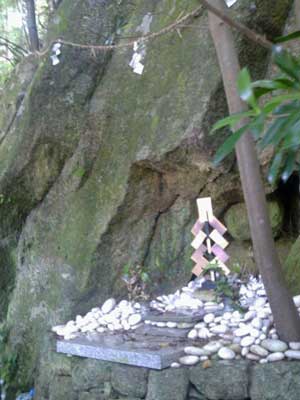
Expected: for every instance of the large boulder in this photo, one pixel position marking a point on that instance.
(101, 167)
(236, 220)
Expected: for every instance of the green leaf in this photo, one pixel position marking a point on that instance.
(276, 101)
(271, 84)
(231, 120)
(278, 129)
(245, 88)
(229, 144)
(292, 136)
(286, 38)
(275, 167)
(287, 108)
(286, 62)
(275, 129)
(256, 127)
(289, 165)
(265, 86)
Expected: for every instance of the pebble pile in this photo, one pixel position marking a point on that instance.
(110, 317)
(251, 335)
(231, 335)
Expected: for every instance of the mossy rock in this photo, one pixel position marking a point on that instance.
(292, 268)
(236, 220)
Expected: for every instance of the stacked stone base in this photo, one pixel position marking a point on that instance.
(73, 378)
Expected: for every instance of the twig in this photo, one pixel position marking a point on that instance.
(253, 36)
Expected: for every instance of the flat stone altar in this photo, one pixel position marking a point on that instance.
(156, 352)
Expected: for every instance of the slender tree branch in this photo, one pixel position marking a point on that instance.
(250, 34)
(15, 53)
(7, 59)
(14, 45)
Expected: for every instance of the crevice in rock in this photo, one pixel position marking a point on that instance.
(288, 194)
(156, 220)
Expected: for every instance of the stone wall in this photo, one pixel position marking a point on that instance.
(85, 379)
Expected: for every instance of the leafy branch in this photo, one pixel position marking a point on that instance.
(272, 121)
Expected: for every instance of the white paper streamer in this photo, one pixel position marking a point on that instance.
(230, 2)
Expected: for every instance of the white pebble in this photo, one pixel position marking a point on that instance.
(258, 350)
(245, 351)
(256, 323)
(254, 332)
(244, 331)
(192, 334)
(208, 318)
(219, 329)
(249, 315)
(204, 333)
(294, 345)
(189, 360)
(278, 356)
(194, 351)
(294, 354)
(226, 354)
(274, 345)
(212, 347)
(171, 324)
(247, 341)
(297, 300)
(108, 306)
(134, 319)
(263, 361)
(252, 357)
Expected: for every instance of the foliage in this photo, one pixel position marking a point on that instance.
(8, 358)
(226, 286)
(13, 32)
(136, 280)
(273, 118)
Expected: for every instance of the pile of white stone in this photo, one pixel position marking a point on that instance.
(251, 335)
(110, 317)
(185, 299)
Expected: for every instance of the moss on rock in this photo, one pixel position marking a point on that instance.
(236, 220)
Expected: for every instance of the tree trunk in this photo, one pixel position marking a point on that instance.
(31, 25)
(285, 314)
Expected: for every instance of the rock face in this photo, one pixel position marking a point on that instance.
(101, 167)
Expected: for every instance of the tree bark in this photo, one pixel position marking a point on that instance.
(31, 25)
(285, 314)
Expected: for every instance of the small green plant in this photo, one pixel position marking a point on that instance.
(225, 285)
(8, 358)
(136, 280)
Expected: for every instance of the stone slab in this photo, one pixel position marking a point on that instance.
(117, 349)
(167, 332)
(183, 316)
